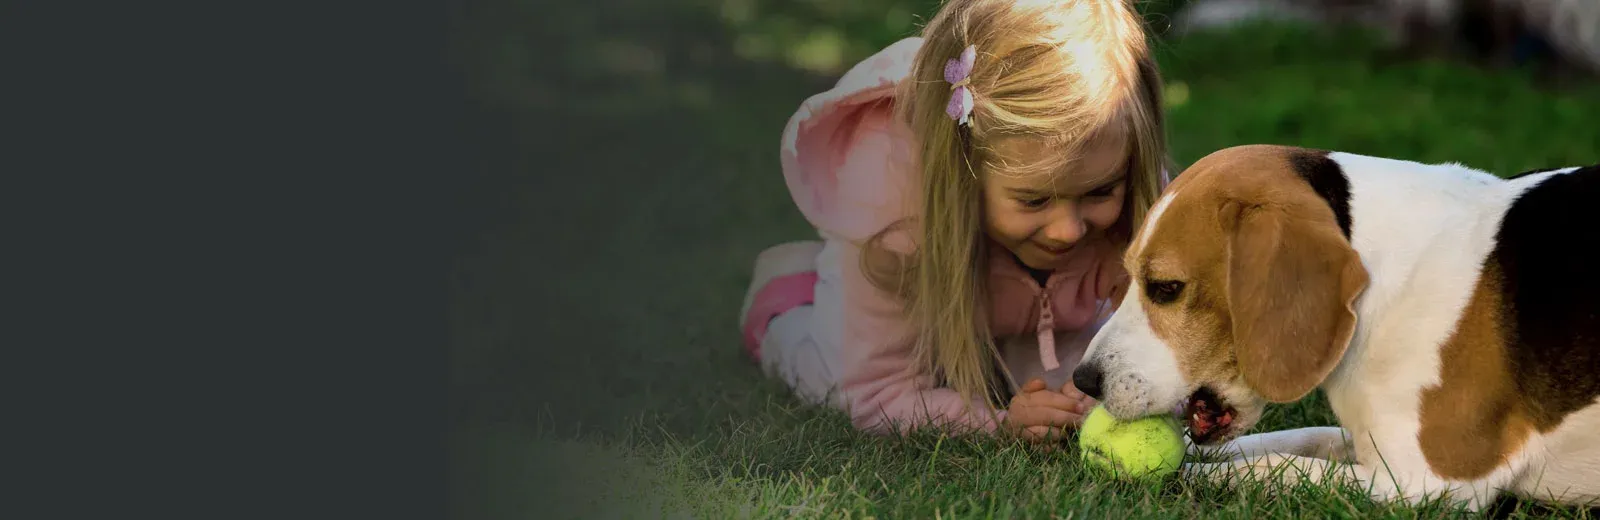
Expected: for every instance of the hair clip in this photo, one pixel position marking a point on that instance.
(957, 72)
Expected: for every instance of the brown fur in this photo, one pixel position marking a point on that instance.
(1293, 282)
(1474, 420)
(1280, 289)
(1195, 324)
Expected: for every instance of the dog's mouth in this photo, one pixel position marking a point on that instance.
(1208, 417)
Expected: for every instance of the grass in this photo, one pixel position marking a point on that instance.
(596, 368)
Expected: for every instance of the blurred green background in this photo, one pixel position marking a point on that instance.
(596, 369)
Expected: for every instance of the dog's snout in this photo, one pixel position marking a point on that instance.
(1087, 378)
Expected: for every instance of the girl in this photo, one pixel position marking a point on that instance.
(974, 189)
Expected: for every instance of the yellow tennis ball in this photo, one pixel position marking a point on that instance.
(1141, 448)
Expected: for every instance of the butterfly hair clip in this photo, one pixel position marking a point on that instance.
(957, 72)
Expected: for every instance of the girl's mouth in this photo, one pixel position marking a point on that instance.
(1054, 251)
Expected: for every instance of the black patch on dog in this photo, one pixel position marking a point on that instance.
(1531, 172)
(1551, 308)
(1328, 180)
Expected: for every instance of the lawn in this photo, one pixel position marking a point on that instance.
(596, 370)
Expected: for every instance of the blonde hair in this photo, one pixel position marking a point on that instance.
(1060, 70)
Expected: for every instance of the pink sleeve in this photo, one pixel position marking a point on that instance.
(885, 390)
(846, 164)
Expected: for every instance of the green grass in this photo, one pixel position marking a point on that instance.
(596, 368)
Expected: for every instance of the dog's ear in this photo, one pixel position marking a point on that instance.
(1293, 280)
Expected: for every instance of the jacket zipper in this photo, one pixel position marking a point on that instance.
(1046, 327)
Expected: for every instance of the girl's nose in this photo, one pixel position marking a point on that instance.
(1066, 226)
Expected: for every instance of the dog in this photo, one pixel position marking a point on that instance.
(1447, 314)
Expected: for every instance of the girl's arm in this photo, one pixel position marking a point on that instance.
(888, 392)
(845, 162)
(885, 390)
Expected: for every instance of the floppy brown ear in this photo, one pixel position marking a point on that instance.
(1293, 280)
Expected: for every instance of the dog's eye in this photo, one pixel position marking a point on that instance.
(1163, 291)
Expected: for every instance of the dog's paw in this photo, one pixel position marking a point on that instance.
(1198, 453)
(1226, 472)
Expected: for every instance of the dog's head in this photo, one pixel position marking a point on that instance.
(1242, 292)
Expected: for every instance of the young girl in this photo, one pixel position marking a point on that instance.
(974, 189)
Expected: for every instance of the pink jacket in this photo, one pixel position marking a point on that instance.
(846, 162)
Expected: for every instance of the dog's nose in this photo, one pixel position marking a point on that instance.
(1087, 378)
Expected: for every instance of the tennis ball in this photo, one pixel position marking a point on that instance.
(1141, 448)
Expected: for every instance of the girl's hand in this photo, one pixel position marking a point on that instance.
(1043, 415)
(1085, 403)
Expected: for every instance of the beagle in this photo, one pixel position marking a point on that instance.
(1451, 318)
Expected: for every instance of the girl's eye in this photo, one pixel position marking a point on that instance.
(1036, 202)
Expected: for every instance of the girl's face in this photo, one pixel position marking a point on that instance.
(1041, 217)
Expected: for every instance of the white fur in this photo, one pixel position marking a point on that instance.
(1422, 232)
(1570, 462)
(1155, 214)
(1141, 376)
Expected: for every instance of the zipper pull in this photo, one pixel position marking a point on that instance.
(1047, 333)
